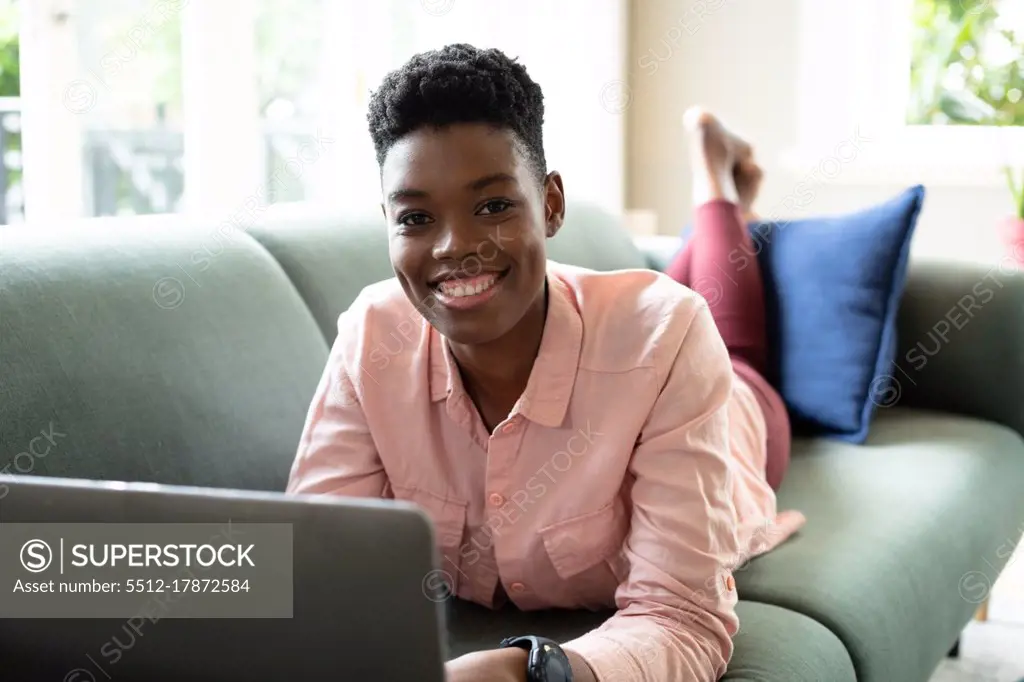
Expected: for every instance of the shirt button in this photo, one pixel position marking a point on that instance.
(510, 427)
(519, 588)
(497, 499)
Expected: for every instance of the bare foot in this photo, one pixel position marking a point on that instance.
(723, 163)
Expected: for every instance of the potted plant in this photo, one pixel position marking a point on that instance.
(1013, 226)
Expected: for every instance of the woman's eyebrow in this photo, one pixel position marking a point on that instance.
(407, 193)
(492, 179)
(474, 186)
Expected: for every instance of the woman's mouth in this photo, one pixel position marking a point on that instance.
(463, 293)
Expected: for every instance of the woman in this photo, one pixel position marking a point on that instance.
(579, 439)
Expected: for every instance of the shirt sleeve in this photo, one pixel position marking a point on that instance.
(336, 453)
(676, 608)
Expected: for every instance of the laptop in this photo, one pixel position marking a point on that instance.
(359, 609)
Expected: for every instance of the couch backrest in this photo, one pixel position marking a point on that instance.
(331, 258)
(161, 353)
(175, 351)
(171, 351)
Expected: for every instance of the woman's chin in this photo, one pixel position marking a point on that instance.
(469, 332)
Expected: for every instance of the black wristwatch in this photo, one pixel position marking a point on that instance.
(546, 663)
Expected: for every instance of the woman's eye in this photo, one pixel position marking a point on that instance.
(414, 219)
(496, 206)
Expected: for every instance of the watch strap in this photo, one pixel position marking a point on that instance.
(526, 642)
(539, 649)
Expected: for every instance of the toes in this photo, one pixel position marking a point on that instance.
(749, 170)
(699, 121)
(697, 118)
(743, 152)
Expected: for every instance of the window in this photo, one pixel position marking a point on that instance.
(127, 99)
(967, 63)
(930, 86)
(291, 84)
(222, 107)
(10, 117)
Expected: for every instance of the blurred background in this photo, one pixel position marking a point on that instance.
(129, 107)
(165, 106)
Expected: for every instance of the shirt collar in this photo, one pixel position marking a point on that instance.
(546, 398)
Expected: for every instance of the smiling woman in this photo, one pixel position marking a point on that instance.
(662, 435)
(486, 200)
(458, 192)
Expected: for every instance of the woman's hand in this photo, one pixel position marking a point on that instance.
(497, 665)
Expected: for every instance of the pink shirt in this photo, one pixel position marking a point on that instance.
(629, 475)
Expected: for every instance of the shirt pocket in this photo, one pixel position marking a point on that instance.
(449, 520)
(587, 549)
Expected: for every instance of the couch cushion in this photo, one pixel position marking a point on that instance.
(903, 534)
(961, 338)
(658, 250)
(592, 238)
(156, 351)
(330, 258)
(772, 645)
(832, 287)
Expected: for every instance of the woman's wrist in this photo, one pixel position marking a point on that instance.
(507, 665)
(495, 665)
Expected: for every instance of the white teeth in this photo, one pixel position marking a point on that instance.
(458, 290)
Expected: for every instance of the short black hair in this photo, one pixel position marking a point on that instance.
(459, 83)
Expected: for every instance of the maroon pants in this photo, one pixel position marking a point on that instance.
(719, 262)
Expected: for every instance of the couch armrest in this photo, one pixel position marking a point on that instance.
(658, 250)
(961, 340)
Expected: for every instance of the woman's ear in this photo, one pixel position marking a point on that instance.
(554, 203)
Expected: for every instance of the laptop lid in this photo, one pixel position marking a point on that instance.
(359, 606)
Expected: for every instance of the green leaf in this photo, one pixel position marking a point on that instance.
(1016, 189)
(966, 107)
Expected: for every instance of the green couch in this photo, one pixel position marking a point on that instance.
(181, 352)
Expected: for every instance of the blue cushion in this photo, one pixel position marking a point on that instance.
(833, 285)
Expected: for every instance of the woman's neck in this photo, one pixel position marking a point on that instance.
(501, 368)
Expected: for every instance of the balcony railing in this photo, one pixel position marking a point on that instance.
(11, 193)
(133, 172)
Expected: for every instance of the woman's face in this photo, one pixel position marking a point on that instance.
(467, 221)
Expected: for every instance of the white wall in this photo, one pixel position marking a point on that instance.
(572, 48)
(741, 58)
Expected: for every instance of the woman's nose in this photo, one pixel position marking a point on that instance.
(456, 240)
